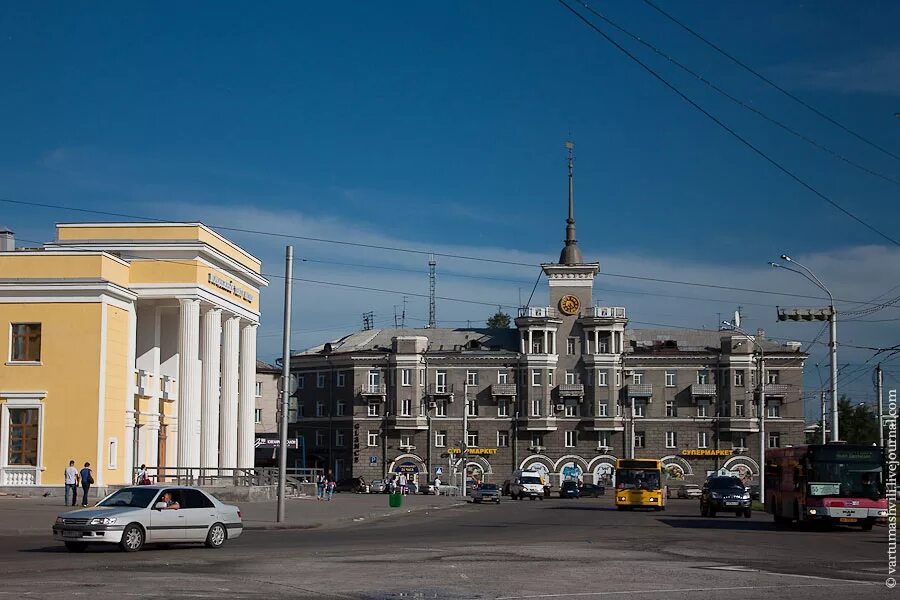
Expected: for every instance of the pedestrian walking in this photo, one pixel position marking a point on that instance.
(403, 484)
(330, 484)
(142, 477)
(321, 484)
(87, 478)
(71, 482)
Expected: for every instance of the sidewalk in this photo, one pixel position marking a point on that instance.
(31, 516)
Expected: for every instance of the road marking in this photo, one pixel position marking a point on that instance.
(673, 591)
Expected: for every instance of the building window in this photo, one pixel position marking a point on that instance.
(112, 456)
(739, 409)
(702, 377)
(406, 440)
(341, 408)
(503, 439)
(421, 376)
(773, 410)
(406, 407)
(472, 407)
(374, 381)
(637, 378)
(503, 408)
(671, 409)
(471, 377)
(572, 377)
(703, 439)
(374, 410)
(671, 439)
(739, 378)
(618, 409)
(550, 377)
(601, 378)
(604, 345)
(603, 439)
(639, 439)
(638, 408)
(339, 437)
(472, 439)
(502, 377)
(440, 438)
(537, 440)
(774, 439)
(320, 380)
(570, 410)
(25, 343)
(440, 382)
(406, 377)
(571, 439)
(301, 382)
(570, 346)
(772, 376)
(372, 438)
(320, 438)
(602, 409)
(535, 407)
(702, 409)
(258, 390)
(341, 379)
(440, 410)
(618, 378)
(739, 441)
(670, 378)
(535, 377)
(320, 409)
(257, 415)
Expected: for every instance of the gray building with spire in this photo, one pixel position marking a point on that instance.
(567, 391)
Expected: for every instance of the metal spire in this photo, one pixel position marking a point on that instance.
(571, 254)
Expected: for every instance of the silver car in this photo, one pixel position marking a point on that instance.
(133, 516)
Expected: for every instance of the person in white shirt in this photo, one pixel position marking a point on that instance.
(71, 482)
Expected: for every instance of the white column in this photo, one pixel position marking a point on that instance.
(596, 341)
(530, 341)
(246, 399)
(151, 441)
(211, 358)
(228, 429)
(522, 341)
(188, 383)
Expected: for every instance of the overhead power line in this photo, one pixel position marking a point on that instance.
(728, 129)
(737, 100)
(768, 81)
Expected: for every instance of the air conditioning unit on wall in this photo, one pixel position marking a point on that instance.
(560, 407)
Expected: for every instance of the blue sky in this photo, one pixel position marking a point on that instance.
(439, 126)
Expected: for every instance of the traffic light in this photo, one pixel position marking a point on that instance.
(805, 314)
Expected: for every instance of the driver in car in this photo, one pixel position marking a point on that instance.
(170, 503)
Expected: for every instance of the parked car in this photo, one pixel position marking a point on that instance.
(134, 516)
(592, 490)
(429, 489)
(526, 484)
(378, 486)
(486, 492)
(569, 489)
(754, 492)
(357, 485)
(724, 494)
(684, 491)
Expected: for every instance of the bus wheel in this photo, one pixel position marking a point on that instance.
(867, 525)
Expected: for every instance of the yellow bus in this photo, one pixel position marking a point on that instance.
(639, 484)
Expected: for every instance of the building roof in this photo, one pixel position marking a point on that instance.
(661, 341)
(439, 340)
(264, 367)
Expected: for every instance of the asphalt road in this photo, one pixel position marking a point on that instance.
(565, 549)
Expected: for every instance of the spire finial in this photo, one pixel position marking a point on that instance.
(571, 254)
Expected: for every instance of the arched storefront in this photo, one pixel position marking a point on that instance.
(477, 469)
(410, 465)
(676, 468)
(571, 468)
(539, 464)
(603, 469)
(745, 467)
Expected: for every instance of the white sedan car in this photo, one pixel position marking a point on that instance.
(133, 516)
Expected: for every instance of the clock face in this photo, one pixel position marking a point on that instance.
(569, 305)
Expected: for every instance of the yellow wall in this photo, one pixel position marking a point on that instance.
(193, 272)
(70, 362)
(46, 265)
(117, 395)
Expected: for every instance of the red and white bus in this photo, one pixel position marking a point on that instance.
(835, 483)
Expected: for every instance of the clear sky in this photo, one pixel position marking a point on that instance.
(440, 126)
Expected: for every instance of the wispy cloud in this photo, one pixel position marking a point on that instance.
(876, 71)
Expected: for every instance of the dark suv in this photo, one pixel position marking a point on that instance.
(724, 494)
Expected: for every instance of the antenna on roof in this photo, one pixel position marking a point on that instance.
(396, 324)
(403, 315)
(368, 320)
(431, 304)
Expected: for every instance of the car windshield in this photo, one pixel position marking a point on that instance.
(637, 479)
(488, 487)
(135, 497)
(725, 483)
(847, 479)
(534, 480)
(569, 484)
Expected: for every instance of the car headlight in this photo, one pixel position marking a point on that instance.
(882, 513)
(746, 496)
(652, 499)
(60, 521)
(622, 498)
(103, 521)
(714, 496)
(812, 511)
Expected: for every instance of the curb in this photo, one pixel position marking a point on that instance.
(344, 521)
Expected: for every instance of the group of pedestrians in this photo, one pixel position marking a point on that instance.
(74, 478)
(325, 485)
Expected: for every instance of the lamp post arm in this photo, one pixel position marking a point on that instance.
(813, 278)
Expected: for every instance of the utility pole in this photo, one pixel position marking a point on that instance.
(762, 426)
(464, 447)
(432, 318)
(285, 380)
(879, 392)
(824, 409)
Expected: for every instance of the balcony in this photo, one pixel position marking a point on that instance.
(441, 390)
(538, 312)
(605, 424)
(703, 389)
(639, 390)
(604, 312)
(539, 423)
(778, 389)
(503, 389)
(571, 390)
(373, 390)
(407, 422)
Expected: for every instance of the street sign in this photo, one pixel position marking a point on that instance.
(439, 470)
(292, 386)
(373, 460)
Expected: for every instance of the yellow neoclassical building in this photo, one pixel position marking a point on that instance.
(127, 343)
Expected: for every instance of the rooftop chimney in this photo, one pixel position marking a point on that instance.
(7, 240)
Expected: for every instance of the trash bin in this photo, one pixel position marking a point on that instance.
(395, 500)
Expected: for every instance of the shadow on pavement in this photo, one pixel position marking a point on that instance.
(734, 523)
(581, 507)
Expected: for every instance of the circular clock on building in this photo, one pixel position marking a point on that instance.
(569, 305)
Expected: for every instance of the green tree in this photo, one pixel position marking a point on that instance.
(858, 422)
(500, 320)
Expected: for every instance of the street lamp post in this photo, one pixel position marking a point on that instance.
(832, 338)
(464, 447)
(762, 409)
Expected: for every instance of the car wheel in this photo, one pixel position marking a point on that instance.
(703, 512)
(216, 536)
(76, 546)
(476, 500)
(531, 498)
(132, 538)
(867, 525)
(747, 513)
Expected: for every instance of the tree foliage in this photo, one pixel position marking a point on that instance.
(857, 423)
(500, 320)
